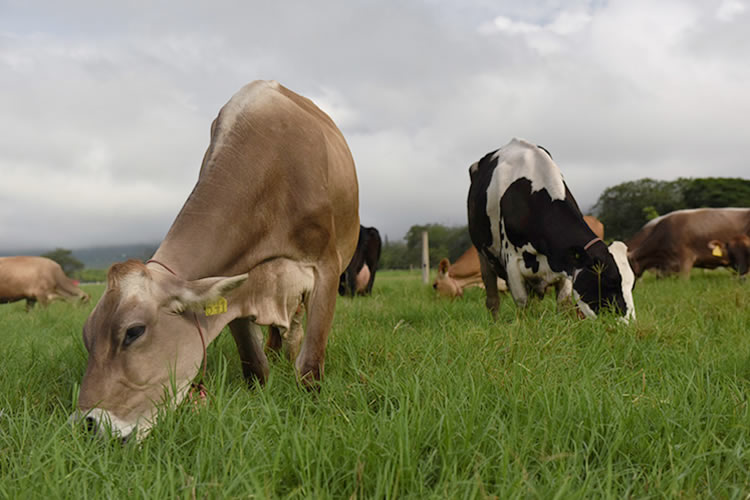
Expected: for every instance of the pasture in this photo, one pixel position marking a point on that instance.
(422, 398)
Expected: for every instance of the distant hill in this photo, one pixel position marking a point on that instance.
(100, 257)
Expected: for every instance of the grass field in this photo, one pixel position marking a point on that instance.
(423, 398)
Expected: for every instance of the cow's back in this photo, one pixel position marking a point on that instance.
(277, 178)
(25, 276)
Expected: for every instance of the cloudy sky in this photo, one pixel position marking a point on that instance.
(105, 107)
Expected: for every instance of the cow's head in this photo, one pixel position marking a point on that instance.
(144, 345)
(734, 253)
(444, 284)
(604, 280)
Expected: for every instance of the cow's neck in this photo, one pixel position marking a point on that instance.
(210, 237)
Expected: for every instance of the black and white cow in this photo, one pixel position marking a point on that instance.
(529, 231)
(359, 275)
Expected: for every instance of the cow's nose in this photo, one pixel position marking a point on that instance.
(90, 424)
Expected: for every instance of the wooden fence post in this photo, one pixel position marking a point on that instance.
(425, 258)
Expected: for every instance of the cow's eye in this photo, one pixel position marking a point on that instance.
(133, 333)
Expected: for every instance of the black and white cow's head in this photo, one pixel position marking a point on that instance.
(605, 280)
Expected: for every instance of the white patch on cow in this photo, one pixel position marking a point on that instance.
(252, 95)
(520, 159)
(133, 284)
(619, 252)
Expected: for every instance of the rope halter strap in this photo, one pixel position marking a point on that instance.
(590, 243)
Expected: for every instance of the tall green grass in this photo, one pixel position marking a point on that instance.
(423, 398)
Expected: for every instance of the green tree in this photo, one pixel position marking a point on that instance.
(393, 255)
(626, 207)
(65, 258)
(621, 207)
(717, 192)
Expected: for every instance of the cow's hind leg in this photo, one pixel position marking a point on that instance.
(320, 307)
(489, 278)
(249, 339)
(295, 334)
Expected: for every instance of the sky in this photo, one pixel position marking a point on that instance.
(105, 107)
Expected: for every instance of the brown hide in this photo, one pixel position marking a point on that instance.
(35, 279)
(452, 279)
(269, 227)
(678, 241)
(595, 224)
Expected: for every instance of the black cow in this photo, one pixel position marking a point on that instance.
(529, 231)
(360, 273)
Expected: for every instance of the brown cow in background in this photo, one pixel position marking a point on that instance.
(452, 279)
(35, 279)
(678, 241)
(595, 224)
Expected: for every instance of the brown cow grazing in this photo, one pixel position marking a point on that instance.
(595, 225)
(453, 279)
(261, 240)
(736, 252)
(678, 241)
(35, 279)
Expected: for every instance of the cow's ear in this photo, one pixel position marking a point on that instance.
(718, 248)
(198, 294)
(443, 267)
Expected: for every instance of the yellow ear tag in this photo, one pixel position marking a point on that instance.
(717, 252)
(218, 306)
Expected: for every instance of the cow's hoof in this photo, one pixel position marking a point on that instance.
(311, 379)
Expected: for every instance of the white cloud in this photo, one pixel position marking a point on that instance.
(107, 108)
(729, 10)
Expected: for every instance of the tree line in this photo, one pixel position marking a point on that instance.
(623, 209)
(626, 207)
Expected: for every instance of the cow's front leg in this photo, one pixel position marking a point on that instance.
(249, 339)
(516, 283)
(687, 260)
(564, 288)
(489, 278)
(320, 307)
